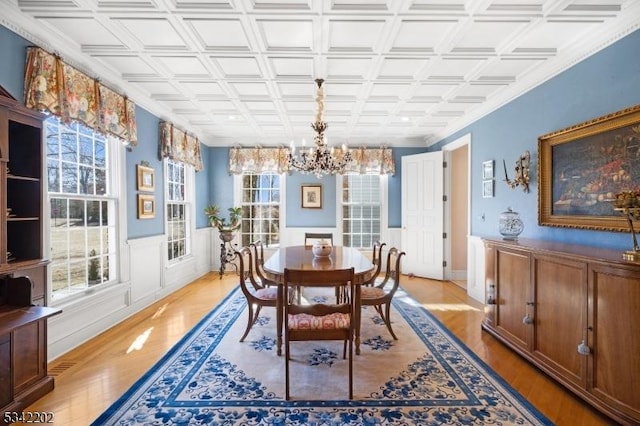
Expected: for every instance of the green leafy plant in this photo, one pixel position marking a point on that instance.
(213, 214)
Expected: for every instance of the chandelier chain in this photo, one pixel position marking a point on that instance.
(322, 160)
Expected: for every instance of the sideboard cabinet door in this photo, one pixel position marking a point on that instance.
(561, 288)
(616, 346)
(512, 295)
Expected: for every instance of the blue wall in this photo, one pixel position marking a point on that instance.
(146, 150)
(606, 82)
(14, 54)
(297, 217)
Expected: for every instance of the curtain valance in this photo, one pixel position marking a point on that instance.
(53, 86)
(372, 161)
(258, 160)
(179, 145)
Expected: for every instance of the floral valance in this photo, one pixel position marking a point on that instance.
(179, 145)
(258, 160)
(53, 86)
(372, 161)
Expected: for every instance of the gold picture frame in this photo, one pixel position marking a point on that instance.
(146, 206)
(582, 167)
(311, 196)
(146, 178)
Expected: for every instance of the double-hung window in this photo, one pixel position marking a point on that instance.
(82, 205)
(178, 210)
(260, 202)
(362, 200)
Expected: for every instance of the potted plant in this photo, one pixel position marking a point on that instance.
(94, 269)
(225, 227)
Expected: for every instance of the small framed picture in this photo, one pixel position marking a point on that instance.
(487, 169)
(311, 196)
(146, 206)
(487, 188)
(146, 178)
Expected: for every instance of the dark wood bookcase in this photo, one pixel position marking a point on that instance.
(23, 273)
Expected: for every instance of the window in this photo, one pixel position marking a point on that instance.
(177, 201)
(361, 210)
(82, 230)
(260, 208)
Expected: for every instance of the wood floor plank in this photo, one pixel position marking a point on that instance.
(98, 372)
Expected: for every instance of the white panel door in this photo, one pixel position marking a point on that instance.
(423, 214)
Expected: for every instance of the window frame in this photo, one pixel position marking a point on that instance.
(384, 207)
(188, 202)
(117, 184)
(237, 201)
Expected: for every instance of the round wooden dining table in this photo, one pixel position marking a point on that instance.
(301, 257)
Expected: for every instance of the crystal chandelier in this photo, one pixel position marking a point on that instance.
(321, 160)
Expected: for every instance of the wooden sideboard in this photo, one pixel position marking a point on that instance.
(574, 312)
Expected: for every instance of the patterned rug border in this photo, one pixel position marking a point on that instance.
(400, 306)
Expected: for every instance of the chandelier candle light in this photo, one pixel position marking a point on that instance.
(320, 161)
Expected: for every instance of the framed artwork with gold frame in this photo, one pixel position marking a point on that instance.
(146, 206)
(146, 178)
(583, 167)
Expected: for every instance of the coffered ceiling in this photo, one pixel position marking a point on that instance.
(397, 72)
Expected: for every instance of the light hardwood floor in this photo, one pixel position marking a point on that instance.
(91, 377)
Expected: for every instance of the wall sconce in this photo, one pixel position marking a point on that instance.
(522, 172)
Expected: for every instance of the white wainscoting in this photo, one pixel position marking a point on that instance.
(83, 319)
(150, 278)
(475, 268)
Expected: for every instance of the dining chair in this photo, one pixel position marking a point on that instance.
(257, 295)
(380, 295)
(258, 264)
(376, 260)
(375, 277)
(313, 236)
(308, 320)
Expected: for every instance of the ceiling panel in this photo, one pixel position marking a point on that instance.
(398, 72)
(219, 34)
(153, 33)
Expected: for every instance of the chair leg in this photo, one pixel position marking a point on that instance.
(387, 319)
(257, 314)
(351, 368)
(250, 321)
(286, 370)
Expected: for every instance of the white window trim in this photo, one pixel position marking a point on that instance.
(118, 185)
(189, 194)
(237, 200)
(384, 208)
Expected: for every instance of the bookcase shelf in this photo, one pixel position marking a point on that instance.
(23, 273)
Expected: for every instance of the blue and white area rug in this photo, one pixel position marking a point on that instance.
(426, 377)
